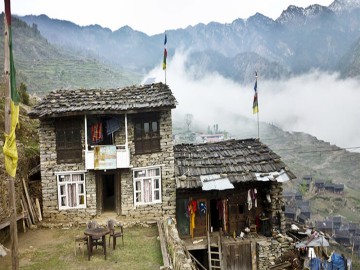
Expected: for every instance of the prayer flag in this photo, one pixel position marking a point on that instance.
(165, 53)
(9, 149)
(255, 102)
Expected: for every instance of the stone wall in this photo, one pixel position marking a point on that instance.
(277, 204)
(176, 249)
(49, 167)
(269, 250)
(165, 158)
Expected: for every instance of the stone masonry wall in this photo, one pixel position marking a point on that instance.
(277, 204)
(165, 158)
(269, 250)
(49, 165)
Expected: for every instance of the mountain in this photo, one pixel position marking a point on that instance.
(349, 66)
(44, 67)
(124, 45)
(300, 40)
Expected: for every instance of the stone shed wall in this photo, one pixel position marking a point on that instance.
(269, 250)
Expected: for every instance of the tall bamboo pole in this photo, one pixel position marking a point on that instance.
(12, 201)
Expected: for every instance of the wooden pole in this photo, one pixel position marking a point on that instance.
(12, 201)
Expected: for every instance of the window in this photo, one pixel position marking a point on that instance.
(147, 134)
(100, 130)
(68, 140)
(147, 185)
(71, 190)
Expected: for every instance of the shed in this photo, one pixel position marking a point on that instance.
(231, 184)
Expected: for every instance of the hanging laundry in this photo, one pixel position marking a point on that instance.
(97, 132)
(202, 208)
(192, 210)
(255, 197)
(249, 201)
(112, 125)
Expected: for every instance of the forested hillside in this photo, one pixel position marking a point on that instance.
(43, 67)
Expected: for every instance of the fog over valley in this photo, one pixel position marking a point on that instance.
(317, 103)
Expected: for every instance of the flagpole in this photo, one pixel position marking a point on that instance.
(165, 56)
(256, 104)
(258, 125)
(12, 200)
(258, 122)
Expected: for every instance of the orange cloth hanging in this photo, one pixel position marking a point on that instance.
(192, 206)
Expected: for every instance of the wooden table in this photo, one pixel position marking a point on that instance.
(96, 233)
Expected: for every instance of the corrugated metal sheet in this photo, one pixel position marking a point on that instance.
(215, 182)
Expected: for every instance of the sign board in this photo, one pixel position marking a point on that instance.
(104, 157)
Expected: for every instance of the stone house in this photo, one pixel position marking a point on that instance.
(107, 150)
(290, 212)
(325, 226)
(329, 187)
(339, 188)
(319, 185)
(342, 237)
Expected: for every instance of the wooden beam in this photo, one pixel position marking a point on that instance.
(12, 199)
(7, 222)
(164, 252)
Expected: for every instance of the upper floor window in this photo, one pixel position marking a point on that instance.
(147, 134)
(68, 140)
(71, 190)
(100, 130)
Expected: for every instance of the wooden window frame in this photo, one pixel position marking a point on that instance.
(65, 185)
(147, 140)
(68, 140)
(151, 175)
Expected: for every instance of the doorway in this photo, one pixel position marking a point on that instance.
(216, 220)
(108, 182)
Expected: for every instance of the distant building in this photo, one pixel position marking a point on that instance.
(298, 196)
(338, 188)
(325, 226)
(302, 218)
(337, 222)
(353, 227)
(305, 210)
(342, 237)
(319, 185)
(329, 187)
(209, 138)
(290, 212)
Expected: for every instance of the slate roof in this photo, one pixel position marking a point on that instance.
(239, 160)
(100, 101)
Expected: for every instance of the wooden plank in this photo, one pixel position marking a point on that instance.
(38, 208)
(163, 245)
(7, 222)
(28, 219)
(28, 201)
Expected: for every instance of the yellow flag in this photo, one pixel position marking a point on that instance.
(10, 150)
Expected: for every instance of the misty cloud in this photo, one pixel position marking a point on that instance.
(318, 104)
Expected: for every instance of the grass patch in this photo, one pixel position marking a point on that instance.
(54, 249)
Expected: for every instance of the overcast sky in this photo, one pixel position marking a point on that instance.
(154, 16)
